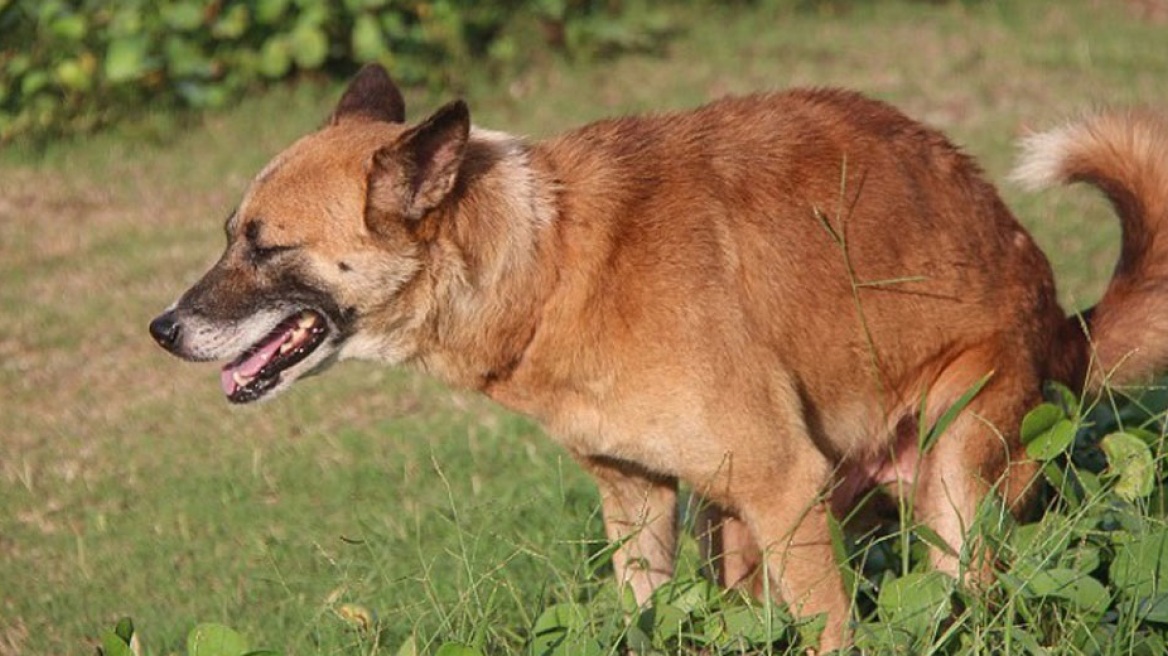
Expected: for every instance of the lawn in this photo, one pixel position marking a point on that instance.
(128, 486)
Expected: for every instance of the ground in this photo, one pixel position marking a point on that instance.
(129, 487)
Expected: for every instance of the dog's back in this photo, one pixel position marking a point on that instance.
(815, 233)
(763, 291)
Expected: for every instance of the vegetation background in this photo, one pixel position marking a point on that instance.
(129, 487)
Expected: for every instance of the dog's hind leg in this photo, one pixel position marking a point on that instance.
(979, 454)
(640, 514)
(787, 511)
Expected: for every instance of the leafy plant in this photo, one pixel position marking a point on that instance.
(69, 66)
(1090, 576)
(203, 640)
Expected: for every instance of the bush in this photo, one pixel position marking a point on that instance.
(70, 66)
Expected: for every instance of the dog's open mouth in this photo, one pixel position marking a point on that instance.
(257, 371)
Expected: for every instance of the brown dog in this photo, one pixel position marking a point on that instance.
(753, 297)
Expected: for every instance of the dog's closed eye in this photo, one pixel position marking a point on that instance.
(257, 254)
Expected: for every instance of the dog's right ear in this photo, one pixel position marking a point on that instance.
(371, 95)
(416, 173)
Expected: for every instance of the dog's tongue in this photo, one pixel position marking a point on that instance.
(249, 367)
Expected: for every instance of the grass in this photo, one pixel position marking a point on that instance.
(128, 487)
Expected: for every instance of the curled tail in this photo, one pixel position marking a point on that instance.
(1125, 155)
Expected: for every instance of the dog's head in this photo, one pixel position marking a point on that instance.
(327, 240)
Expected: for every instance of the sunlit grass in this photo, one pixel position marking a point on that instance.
(127, 485)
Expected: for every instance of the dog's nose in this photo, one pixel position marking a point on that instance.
(165, 330)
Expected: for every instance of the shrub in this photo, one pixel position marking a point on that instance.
(70, 66)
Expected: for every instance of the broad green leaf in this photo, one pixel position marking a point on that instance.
(270, 11)
(18, 64)
(126, 21)
(367, 41)
(182, 16)
(668, 621)
(1154, 609)
(309, 46)
(1092, 486)
(125, 629)
(33, 82)
(113, 645)
(1130, 461)
(753, 625)
(202, 94)
(1149, 644)
(916, 602)
(693, 596)
(313, 13)
(628, 600)
(637, 640)
(879, 638)
(215, 640)
(567, 616)
(1083, 559)
(125, 59)
(71, 74)
(810, 630)
(1052, 442)
(1040, 539)
(1062, 395)
(185, 58)
(1084, 592)
(232, 24)
(69, 26)
(1151, 438)
(1040, 420)
(1140, 566)
(275, 59)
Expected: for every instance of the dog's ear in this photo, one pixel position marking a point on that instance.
(415, 173)
(371, 95)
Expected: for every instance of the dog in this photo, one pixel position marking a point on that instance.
(763, 298)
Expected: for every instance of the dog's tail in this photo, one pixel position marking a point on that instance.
(1125, 155)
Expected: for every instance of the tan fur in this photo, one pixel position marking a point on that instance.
(752, 298)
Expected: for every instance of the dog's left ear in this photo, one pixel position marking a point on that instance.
(416, 172)
(371, 95)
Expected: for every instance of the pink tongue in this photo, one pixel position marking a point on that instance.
(249, 367)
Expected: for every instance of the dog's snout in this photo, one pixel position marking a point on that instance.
(165, 330)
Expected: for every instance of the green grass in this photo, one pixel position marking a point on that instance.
(129, 487)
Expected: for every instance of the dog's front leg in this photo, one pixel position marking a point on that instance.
(640, 514)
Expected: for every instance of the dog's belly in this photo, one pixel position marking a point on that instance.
(893, 467)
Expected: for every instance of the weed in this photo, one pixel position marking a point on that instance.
(128, 487)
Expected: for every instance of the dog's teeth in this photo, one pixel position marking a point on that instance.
(306, 320)
(240, 379)
(287, 346)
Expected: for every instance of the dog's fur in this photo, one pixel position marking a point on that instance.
(761, 297)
